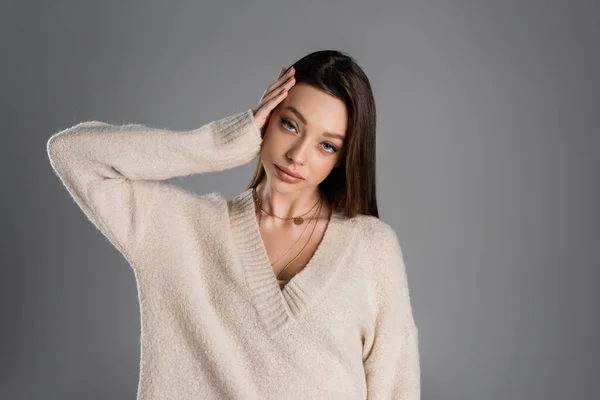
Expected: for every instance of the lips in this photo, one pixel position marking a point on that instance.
(287, 171)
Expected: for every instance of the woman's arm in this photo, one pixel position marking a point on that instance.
(112, 171)
(391, 353)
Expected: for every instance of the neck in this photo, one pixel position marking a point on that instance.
(288, 205)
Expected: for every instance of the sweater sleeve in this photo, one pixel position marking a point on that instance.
(112, 171)
(391, 353)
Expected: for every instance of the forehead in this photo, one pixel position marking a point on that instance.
(322, 111)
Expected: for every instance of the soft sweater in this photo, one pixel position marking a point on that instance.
(214, 322)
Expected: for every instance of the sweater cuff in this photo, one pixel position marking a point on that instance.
(235, 128)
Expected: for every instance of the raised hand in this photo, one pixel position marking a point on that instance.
(272, 96)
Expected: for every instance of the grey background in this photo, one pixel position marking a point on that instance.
(488, 142)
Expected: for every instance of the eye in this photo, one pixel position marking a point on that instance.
(332, 147)
(286, 122)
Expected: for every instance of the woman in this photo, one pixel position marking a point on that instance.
(294, 288)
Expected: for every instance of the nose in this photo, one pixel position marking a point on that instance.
(299, 152)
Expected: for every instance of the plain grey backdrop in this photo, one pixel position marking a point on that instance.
(487, 158)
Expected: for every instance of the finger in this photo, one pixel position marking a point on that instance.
(275, 100)
(284, 81)
(267, 106)
(276, 92)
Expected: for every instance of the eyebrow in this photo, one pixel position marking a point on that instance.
(301, 118)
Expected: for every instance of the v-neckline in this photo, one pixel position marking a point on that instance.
(279, 307)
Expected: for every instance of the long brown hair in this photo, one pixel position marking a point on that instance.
(350, 187)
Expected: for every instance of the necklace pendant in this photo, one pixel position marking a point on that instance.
(298, 220)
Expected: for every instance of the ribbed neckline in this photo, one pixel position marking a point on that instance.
(279, 307)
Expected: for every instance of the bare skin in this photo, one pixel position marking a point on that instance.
(305, 149)
(279, 239)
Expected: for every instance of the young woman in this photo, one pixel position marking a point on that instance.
(293, 289)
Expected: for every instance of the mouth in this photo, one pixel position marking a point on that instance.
(289, 172)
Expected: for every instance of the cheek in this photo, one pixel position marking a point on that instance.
(268, 145)
(267, 141)
(268, 129)
(272, 148)
(322, 169)
(276, 142)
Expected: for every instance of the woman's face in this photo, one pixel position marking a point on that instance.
(305, 134)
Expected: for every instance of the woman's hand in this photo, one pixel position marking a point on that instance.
(273, 95)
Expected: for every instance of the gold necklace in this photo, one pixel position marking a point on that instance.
(297, 220)
(305, 244)
(297, 240)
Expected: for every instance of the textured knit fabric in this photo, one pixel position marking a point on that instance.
(281, 282)
(214, 322)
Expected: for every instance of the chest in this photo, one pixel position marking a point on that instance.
(290, 249)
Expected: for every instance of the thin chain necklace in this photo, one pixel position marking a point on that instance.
(300, 237)
(305, 244)
(297, 220)
(315, 217)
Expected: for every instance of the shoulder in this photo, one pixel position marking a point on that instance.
(378, 234)
(383, 250)
(214, 204)
(213, 199)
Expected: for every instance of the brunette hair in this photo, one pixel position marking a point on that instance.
(350, 187)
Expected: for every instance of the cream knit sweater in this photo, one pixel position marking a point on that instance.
(214, 322)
